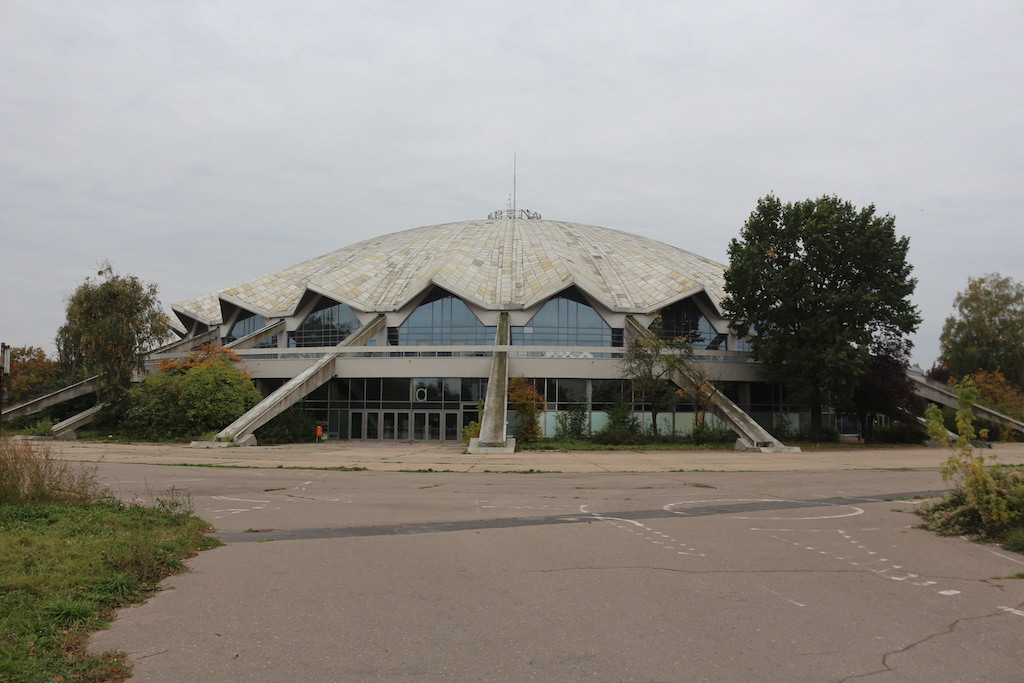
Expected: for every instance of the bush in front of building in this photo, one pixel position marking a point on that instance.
(294, 425)
(622, 428)
(205, 393)
(897, 432)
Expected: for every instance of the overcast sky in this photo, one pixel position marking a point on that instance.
(199, 144)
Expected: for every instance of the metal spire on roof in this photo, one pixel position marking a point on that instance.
(512, 211)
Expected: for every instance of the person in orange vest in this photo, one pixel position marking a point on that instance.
(319, 432)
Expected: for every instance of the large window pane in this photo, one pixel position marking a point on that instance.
(682, 322)
(566, 320)
(329, 324)
(441, 320)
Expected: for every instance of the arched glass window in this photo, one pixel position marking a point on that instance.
(567, 320)
(246, 324)
(684, 323)
(441, 320)
(329, 324)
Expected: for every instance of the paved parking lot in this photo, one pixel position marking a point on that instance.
(806, 571)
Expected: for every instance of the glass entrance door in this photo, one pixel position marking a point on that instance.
(394, 426)
(435, 426)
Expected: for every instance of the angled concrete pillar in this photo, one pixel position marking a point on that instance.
(291, 392)
(86, 386)
(940, 393)
(494, 422)
(66, 429)
(752, 436)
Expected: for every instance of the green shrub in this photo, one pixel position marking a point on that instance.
(705, 435)
(186, 401)
(989, 504)
(155, 410)
(1015, 539)
(572, 424)
(294, 425)
(215, 395)
(470, 431)
(622, 428)
(986, 501)
(898, 432)
(42, 427)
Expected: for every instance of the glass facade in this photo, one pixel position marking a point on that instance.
(442, 320)
(246, 324)
(682, 322)
(397, 408)
(329, 324)
(567, 320)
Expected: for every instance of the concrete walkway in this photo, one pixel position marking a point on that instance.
(391, 457)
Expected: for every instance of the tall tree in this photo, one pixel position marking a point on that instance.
(812, 283)
(986, 330)
(112, 323)
(647, 363)
(885, 388)
(33, 374)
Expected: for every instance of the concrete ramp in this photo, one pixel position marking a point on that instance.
(66, 429)
(943, 394)
(291, 392)
(494, 421)
(87, 386)
(752, 436)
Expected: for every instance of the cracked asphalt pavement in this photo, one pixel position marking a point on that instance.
(813, 575)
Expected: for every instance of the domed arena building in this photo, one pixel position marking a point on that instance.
(405, 336)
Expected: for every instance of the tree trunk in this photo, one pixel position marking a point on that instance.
(815, 407)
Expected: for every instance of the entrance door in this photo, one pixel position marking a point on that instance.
(394, 426)
(435, 426)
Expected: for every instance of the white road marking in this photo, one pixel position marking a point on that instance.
(670, 506)
(1005, 557)
(240, 500)
(1011, 610)
(949, 592)
(794, 602)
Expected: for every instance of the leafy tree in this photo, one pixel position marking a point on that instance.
(698, 388)
(812, 284)
(155, 410)
(527, 403)
(33, 374)
(996, 392)
(647, 362)
(573, 424)
(205, 392)
(112, 323)
(215, 395)
(986, 499)
(986, 330)
(884, 388)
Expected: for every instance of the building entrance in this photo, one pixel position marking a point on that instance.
(388, 425)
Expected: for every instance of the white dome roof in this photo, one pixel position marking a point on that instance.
(500, 264)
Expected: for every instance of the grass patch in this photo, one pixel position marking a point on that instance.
(72, 553)
(561, 446)
(1015, 540)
